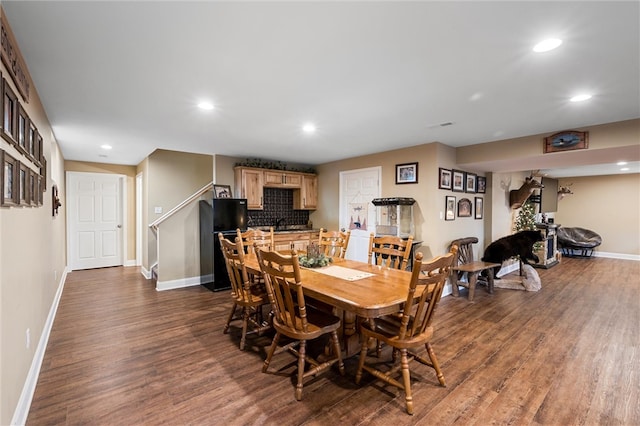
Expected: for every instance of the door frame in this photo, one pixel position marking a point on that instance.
(122, 180)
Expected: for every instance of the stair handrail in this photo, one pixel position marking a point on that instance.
(154, 225)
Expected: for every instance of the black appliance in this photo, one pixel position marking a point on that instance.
(223, 215)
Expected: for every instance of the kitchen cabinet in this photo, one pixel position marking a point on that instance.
(280, 179)
(249, 184)
(299, 239)
(306, 198)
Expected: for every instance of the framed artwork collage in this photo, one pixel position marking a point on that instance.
(23, 175)
(466, 182)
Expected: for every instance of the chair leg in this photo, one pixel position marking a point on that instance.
(272, 349)
(302, 351)
(336, 349)
(436, 366)
(245, 325)
(363, 355)
(233, 311)
(406, 379)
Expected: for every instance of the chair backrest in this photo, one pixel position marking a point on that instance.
(334, 243)
(251, 237)
(432, 275)
(465, 250)
(233, 253)
(392, 252)
(284, 287)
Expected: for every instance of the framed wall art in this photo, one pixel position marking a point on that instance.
(481, 184)
(479, 202)
(450, 208)
(8, 196)
(470, 182)
(457, 182)
(407, 173)
(222, 191)
(444, 178)
(464, 207)
(567, 140)
(24, 198)
(10, 112)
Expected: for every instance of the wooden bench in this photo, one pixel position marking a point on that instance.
(465, 264)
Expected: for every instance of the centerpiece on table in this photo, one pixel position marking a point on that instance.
(313, 258)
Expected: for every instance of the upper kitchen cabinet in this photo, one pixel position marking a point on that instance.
(249, 184)
(306, 198)
(281, 179)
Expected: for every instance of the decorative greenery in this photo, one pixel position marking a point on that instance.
(314, 262)
(526, 221)
(526, 218)
(273, 165)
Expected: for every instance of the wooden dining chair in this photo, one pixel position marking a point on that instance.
(413, 328)
(252, 236)
(295, 319)
(334, 243)
(245, 294)
(390, 251)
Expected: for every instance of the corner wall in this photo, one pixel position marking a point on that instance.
(32, 270)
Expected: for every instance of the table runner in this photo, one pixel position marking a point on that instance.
(342, 272)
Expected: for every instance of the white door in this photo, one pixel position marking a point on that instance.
(94, 219)
(357, 189)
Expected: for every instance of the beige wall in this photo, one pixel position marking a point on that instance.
(623, 137)
(172, 177)
(130, 173)
(620, 140)
(32, 264)
(436, 233)
(608, 205)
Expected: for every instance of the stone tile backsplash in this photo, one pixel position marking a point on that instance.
(278, 204)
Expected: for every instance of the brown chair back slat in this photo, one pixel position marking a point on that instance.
(390, 251)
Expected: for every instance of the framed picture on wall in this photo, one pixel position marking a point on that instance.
(444, 178)
(222, 191)
(8, 196)
(470, 182)
(457, 182)
(479, 201)
(407, 173)
(464, 208)
(481, 184)
(450, 208)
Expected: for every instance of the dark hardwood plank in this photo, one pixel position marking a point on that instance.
(122, 353)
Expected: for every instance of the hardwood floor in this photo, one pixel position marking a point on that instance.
(122, 353)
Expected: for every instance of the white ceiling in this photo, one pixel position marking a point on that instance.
(372, 76)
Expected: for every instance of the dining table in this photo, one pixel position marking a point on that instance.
(355, 289)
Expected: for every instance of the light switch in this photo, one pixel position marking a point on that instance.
(158, 210)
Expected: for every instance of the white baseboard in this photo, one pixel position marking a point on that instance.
(129, 263)
(616, 255)
(145, 273)
(24, 403)
(180, 283)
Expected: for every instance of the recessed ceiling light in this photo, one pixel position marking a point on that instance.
(621, 163)
(624, 169)
(107, 147)
(309, 128)
(547, 45)
(205, 105)
(580, 98)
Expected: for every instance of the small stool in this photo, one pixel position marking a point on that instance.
(472, 269)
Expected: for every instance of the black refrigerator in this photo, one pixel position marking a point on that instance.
(218, 215)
